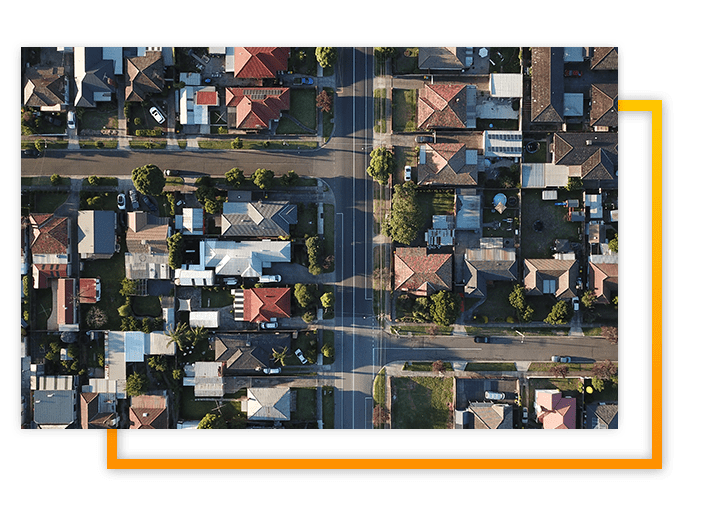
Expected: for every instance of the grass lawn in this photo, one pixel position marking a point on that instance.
(435, 203)
(608, 394)
(110, 271)
(42, 308)
(303, 61)
(216, 299)
(306, 405)
(148, 144)
(49, 144)
(424, 366)
(329, 233)
(406, 60)
(490, 367)
(380, 110)
(422, 330)
(47, 202)
(308, 344)
(329, 408)
(379, 392)
(307, 224)
(328, 339)
(327, 117)
(105, 115)
(90, 144)
(108, 200)
(539, 244)
(404, 156)
(506, 60)
(421, 403)
(562, 384)
(539, 156)
(497, 124)
(190, 409)
(287, 126)
(404, 110)
(497, 307)
(303, 106)
(146, 306)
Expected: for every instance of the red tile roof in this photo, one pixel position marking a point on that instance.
(65, 310)
(442, 106)
(50, 234)
(256, 107)
(262, 304)
(420, 273)
(87, 290)
(148, 412)
(260, 63)
(206, 97)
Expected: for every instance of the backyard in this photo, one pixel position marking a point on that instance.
(538, 239)
(422, 403)
(192, 409)
(216, 297)
(111, 272)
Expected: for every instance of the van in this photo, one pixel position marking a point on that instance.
(270, 278)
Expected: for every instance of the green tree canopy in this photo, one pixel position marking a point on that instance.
(327, 350)
(405, 219)
(327, 300)
(384, 53)
(280, 355)
(175, 244)
(148, 180)
(290, 178)
(263, 178)
(326, 57)
(613, 243)
(444, 308)
(128, 287)
(588, 299)
(305, 294)
(235, 177)
(558, 314)
(381, 165)
(212, 421)
(136, 384)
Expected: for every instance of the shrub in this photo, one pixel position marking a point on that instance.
(309, 316)
(55, 179)
(236, 143)
(327, 350)
(137, 121)
(125, 310)
(94, 180)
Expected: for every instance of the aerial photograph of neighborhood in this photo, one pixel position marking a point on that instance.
(319, 238)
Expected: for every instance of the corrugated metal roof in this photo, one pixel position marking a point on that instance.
(208, 319)
(506, 85)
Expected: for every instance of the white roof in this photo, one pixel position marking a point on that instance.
(506, 85)
(502, 144)
(245, 259)
(593, 204)
(541, 175)
(550, 195)
(189, 112)
(191, 277)
(209, 319)
(572, 104)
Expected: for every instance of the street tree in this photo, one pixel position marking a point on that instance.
(444, 308)
(290, 178)
(148, 180)
(324, 101)
(559, 370)
(327, 300)
(381, 165)
(605, 370)
(384, 53)
(405, 219)
(380, 415)
(327, 350)
(438, 366)
(235, 177)
(304, 294)
(558, 313)
(610, 333)
(326, 57)
(136, 384)
(263, 178)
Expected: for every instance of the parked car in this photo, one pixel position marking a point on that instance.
(271, 370)
(425, 139)
(71, 119)
(573, 73)
(300, 356)
(270, 278)
(303, 80)
(230, 281)
(157, 115)
(134, 195)
(272, 325)
(482, 339)
(407, 173)
(147, 201)
(216, 74)
(560, 359)
(494, 395)
(170, 172)
(525, 414)
(121, 201)
(576, 304)
(30, 153)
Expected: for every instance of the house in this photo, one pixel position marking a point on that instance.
(547, 86)
(488, 415)
(194, 275)
(121, 348)
(54, 409)
(445, 59)
(604, 58)
(149, 412)
(242, 259)
(419, 272)
(442, 231)
(447, 164)
(543, 175)
(590, 156)
(604, 107)
(46, 89)
(258, 219)
(190, 222)
(66, 309)
(195, 103)
(603, 277)
(270, 404)
(114, 362)
(491, 262)
(95, 71)
(206, 377)
(507, 85)
(266, 304)
(144, 76)
(50, 236)
(146, 240)
(446, 106)
(204, 319)
(260, 63)
(551, 276)
(245, 354)
(502, 144)
(96, 234)
(255, 108)
(601, 415)
(554, 410)
(98, 410)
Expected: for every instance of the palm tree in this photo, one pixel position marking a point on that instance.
(280, 356)
(180, 335)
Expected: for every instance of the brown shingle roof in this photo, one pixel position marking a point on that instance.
(442, 106)
(603, 278)
(446, 164)
(547, 85)
(595, 153)
(45, 87)
(604, 105)
(420, 273)
(144, 76)
(147, 233)
(544, 276)
(91, 418)
(604, 59)
(148, 412)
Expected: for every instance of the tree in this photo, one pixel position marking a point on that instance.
(263, 178)
(326, 57)
(613, 243)
(610, 333)
(605, 370)
(574, 184)
(327, 300)
(290, 178)
(327, 350)
(380, 415)
(125, 310)
(559, 370)
(177, 374)
(438, 366)
(136, 384)
(558, 313)
(324, 101)
(517, 297)
(280, 356)
(213, 206)
(235, 177)
(384, 53)
(588, 299)
(175, 244)
(96, 317)
(94, 180)
(444, 308)
(148, 180)
(128, 287)
(381, 165)
(180, 335)
(55, 179)
(405, 219)
(212, 421)
(158, 363)
(304, 294)
(40, 145)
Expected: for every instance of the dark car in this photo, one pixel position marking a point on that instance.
(573, 73)
(482, 339)
(134, 195)
(424, 139)
(152, 207)
(170, 172)
(30, 153)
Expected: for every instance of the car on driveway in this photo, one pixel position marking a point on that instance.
(71, 119)
(407, 173)
(271, 370)
(270, 278)
(424, 139)
(573, 73)
(494, 395)
(482, 339)
(560, 359)
(134, 195)
(269, 326)
(300, 356)
(157, 115)
(525, 415)
(149, 203)
(121, 201)
(576, 304)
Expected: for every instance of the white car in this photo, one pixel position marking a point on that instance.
(494, 395)
(271, 371)
(121, 201)
(269, 326)
(270, 278)
(300, 356)
(407, 173)
(71, 119)
(576, 304)
(560, 359)
(156, 114)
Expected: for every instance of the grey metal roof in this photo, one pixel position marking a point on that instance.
(96, 232)
(54, 407)
(258, 219)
